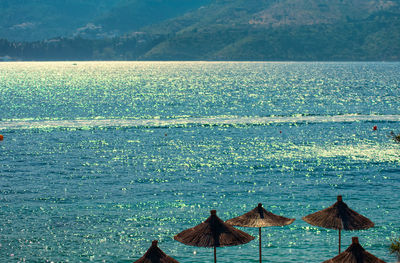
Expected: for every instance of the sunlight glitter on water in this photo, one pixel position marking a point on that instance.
(157, 122)
(99, 159)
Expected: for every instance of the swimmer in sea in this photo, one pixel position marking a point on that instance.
(395, 137)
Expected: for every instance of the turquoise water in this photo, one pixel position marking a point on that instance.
(100, 158)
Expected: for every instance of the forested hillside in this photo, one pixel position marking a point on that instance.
(299, 30)
(32, 20)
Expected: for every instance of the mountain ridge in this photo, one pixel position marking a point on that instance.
(35, 20)
(355, 35)
(229, 30)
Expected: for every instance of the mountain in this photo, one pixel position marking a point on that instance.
(32, 20)
(132, 15)
(277, 13)
(283, 30)
(27, 20)
(304, 30)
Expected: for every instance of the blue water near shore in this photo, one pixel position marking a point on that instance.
(100, 158)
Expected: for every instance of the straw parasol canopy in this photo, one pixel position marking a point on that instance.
(259, 217)
(355, 253)
(339, 216)
(155, 255)
(213, 233)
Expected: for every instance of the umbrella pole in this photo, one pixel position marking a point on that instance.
(215, 254)
(339, 240)
(259, 233)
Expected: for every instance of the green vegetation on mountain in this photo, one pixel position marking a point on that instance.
(27, 20)
(132, 15)
(374, 38)
(31, 20)
(297, 30)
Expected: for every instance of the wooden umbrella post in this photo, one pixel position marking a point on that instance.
(215, 254)
(339, 239)
(259, 233)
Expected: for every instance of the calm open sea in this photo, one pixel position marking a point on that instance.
(100, 158)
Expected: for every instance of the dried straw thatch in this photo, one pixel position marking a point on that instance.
(355, 253)
(213, 233)
(259, 217)
(155, 255)
(339, 216)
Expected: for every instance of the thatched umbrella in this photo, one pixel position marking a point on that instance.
(355, 253)
(155, 255)
(213, 233)
(259, 217)
(339, 216)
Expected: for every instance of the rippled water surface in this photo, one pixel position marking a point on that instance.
(100, 158)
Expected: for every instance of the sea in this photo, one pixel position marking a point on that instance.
(101, 158)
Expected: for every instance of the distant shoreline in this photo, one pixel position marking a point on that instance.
(216, 61)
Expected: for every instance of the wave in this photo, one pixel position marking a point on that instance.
(183, 121)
